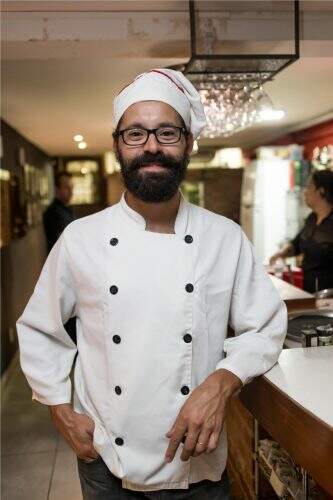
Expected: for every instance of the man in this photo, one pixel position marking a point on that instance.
(154, 282)
(59, 214)
(55, 218)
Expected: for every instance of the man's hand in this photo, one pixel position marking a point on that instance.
(199, 422)
(77, 429)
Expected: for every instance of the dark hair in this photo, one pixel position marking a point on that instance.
(58, 177)
(323, 179)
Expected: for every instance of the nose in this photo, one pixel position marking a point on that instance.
(152, 145)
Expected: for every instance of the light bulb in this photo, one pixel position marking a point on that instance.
(271, 114)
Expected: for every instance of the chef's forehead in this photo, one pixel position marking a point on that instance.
(151, 112)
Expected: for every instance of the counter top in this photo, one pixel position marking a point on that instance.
(288, 291)
(294, 297)
(305, 375)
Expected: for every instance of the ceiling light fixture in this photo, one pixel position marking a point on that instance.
(78, 138)
(82, 145)
(270, 114)
(231, 85)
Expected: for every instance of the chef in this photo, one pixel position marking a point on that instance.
(154, 282)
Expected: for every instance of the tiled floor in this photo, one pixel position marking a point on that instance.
(36, 463)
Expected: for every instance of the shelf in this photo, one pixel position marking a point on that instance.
(282, 490)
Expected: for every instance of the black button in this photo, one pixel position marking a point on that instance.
(114, 241)
(189, 287)
(187, 338)
(185, 390)
(188, 238)
(117, 390)
(113, 289)
(119, 441)
(116, 339)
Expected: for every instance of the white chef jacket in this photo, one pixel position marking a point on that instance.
(152, 314)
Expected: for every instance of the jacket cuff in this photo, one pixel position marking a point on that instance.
(52, 400)
(227, 364)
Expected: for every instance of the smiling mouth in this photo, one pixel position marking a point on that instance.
(156, 167)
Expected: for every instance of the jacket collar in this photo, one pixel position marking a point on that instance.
(138, 222)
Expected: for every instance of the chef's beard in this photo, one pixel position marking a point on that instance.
(154, 187)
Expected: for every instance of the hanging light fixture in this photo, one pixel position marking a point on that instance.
(230, 107)
(231, 85)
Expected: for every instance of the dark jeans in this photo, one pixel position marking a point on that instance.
(98, 483)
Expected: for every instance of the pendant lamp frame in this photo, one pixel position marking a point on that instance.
(238, 67)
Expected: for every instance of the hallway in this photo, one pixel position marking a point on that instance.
(36, 463)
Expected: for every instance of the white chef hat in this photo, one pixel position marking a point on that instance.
(168, 86)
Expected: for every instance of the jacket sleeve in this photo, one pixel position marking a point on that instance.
(257, 315)
(46, 350)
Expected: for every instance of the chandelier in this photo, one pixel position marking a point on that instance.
(230, 108)
(231, 85)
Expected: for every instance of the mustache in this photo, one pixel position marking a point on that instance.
(166, 161)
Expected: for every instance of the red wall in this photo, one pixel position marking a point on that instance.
(318, 135)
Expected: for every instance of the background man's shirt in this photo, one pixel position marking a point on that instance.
(55, 218)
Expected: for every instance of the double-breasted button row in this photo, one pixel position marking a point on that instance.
(116, 338)
(187, 337)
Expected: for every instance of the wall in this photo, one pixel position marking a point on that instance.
(222, 187)
(11, 142)
(319, 135)
(21, 263)
(22, 259)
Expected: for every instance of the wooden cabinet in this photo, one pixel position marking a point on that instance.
(306, 438)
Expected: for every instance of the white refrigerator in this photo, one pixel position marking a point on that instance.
(269, 208)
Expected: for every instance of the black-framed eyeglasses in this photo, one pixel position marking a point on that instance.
(137, 136)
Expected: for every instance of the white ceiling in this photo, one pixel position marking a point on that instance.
(55, 85)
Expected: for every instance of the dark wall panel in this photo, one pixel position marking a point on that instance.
(22, 259)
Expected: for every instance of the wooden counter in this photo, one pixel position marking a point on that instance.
(293, 403)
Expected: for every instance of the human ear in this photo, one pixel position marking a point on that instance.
(322, 192)
(189, 143)
(115, 146)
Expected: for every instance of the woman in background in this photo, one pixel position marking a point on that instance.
(315, 240)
